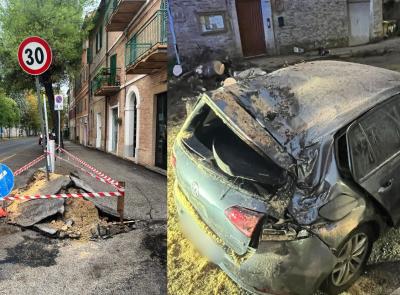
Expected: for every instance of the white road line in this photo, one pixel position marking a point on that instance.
(5, 159)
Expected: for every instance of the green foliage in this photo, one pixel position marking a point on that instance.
(9, 112)
(59, 22)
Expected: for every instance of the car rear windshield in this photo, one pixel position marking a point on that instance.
(210, 138)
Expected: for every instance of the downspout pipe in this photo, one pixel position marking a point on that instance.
(172, 30)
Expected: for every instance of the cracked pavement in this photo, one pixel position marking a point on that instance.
(128, 263)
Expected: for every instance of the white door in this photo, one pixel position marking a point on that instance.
(359, 14)
(98, 130)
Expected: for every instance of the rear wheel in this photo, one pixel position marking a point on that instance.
(352, 257)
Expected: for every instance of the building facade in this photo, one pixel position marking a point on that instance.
(127, 81)
(256, 27)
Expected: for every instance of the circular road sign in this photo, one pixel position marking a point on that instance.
(6, 181)
(34, 55)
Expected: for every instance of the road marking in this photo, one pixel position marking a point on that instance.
(5, 159)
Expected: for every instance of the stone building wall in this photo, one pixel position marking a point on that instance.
(195, 45)
(310, 24)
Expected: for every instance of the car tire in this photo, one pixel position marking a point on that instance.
(347, 253)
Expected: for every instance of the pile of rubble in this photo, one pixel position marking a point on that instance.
(75, 218)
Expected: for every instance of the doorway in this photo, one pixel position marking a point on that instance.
(98, 130)
(113, 144)
(359, 14)
(161, 131)
(251, 27)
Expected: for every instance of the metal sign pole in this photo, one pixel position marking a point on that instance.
(41, 122)
(47, 129)
(59, 133)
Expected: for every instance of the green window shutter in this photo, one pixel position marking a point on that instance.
(89, 55)
(113, 69)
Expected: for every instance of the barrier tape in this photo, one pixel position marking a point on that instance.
(29, 165)
(91, 168)
(100, 176)
(92, 175)
(32, 163)
(65, 196)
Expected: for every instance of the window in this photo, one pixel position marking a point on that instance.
(212, 22)
(375, 138)
(99, 39)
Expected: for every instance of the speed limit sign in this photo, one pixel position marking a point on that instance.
(34, 55)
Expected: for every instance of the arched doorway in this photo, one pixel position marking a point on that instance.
(131, 135)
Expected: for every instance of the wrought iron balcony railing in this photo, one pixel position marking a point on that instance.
(152, 34)
(106, 81)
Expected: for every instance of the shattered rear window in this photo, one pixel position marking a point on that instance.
(210, 138)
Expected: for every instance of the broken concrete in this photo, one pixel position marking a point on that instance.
(105, 209)
(34, 211)
(42, 227)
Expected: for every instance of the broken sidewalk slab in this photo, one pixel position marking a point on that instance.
(30, 212)
(105, 208)
(33, 211)
(45, 229)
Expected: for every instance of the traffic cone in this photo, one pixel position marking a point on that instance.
(3, 213)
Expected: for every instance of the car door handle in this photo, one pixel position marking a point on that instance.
(386, 186)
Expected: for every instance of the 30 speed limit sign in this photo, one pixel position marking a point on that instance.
(34, 55)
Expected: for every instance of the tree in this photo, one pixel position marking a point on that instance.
(9, 113)
(30, 119)
(60, 23)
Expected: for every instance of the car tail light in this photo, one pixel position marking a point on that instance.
(244, 219)
(173, 160)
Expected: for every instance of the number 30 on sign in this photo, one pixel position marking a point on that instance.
(34, 55)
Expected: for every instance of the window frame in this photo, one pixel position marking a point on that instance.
(355, 124)
(200, 15)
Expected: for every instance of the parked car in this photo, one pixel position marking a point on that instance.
(286, 180)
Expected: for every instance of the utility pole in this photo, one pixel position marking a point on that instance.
(42, 124)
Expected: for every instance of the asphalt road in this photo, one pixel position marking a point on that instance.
(15, 153)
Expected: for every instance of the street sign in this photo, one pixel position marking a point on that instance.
(34, 55)
(6, 181)
(58, 102)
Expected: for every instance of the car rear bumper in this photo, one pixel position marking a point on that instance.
(294, 267)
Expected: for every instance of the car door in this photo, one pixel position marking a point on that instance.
(374, 153)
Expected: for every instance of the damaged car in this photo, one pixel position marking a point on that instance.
(285, 180)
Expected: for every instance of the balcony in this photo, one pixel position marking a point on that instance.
(106, 82)
(146, 51)
(120, 12)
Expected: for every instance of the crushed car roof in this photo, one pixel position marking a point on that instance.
(309, 100)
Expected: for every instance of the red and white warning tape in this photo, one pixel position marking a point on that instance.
(97, 174)
(91, 168)
(119, 188)
(65, 196)
(29, 165)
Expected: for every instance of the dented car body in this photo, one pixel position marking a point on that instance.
(285, 180)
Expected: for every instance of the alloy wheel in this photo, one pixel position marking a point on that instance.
(350, 259)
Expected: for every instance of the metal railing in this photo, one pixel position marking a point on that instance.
(106, 77)
(153, 32)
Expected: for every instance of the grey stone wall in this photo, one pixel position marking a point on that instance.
(310, 24)
(377, 19)
(193, 45)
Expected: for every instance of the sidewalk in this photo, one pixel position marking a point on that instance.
(146, 191)
(374, 49)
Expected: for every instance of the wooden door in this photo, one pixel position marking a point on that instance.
(251, 27)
